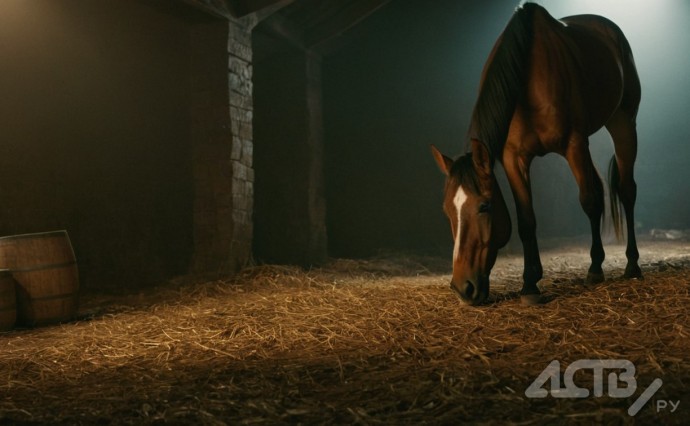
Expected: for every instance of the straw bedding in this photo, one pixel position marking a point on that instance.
(382, 341)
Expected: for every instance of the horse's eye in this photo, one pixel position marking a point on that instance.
(485, 207)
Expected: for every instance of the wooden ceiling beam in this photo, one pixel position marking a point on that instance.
(282, 28)
(240, 8)
(237, 8)
(349, 15)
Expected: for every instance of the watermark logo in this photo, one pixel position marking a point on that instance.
(619, 371)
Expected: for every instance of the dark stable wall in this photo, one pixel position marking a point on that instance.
(289, 209)
(94, 130)
(401, 85)
(280, 157)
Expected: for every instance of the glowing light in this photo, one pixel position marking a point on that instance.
(630, 15)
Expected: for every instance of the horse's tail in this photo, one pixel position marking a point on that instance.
(614, 198)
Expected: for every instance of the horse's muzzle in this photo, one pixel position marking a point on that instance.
(472, 292)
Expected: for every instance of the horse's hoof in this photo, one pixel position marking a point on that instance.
(633, 272)
(531, 299)
(595, 277)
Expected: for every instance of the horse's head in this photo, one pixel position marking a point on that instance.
(479, 220)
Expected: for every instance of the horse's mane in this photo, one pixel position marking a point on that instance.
(504, 82)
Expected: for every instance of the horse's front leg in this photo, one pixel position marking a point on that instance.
(517, 171)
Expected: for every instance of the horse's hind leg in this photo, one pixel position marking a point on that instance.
(624, 135)
(591, 199)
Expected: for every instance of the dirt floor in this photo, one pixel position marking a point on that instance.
(381, 341)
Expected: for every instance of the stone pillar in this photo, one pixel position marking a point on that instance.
(221, 111)
(241, 120)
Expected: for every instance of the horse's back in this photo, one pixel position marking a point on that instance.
(581, 73)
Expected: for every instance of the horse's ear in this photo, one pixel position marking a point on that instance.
(481, 159)
(444, 163)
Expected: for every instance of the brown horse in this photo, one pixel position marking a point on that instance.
(547, 86)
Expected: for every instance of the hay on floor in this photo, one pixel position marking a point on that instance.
(367, 342)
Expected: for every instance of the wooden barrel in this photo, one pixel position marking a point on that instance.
(8, 300)
(45, 269)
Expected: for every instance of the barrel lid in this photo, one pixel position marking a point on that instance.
(4, 272)
(50, 234)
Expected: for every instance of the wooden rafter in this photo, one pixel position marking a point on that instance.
(348, 15)
(236, 8)
(241, 8)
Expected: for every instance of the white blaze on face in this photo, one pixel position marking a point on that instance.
(458, 201)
